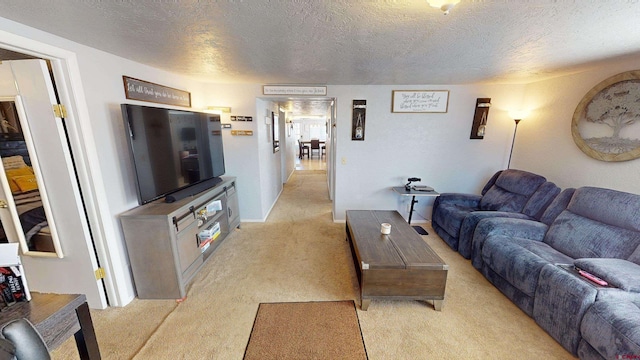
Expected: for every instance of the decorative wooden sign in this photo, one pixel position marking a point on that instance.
(136, 89)
(294, 90)
(480, 118)
(242, 132)
(419, 101)
(241, 118)
(358, 119)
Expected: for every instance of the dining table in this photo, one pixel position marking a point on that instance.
(308, 143)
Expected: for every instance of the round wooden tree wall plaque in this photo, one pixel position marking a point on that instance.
(606, 123)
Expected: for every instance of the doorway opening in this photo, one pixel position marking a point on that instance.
(64, 183)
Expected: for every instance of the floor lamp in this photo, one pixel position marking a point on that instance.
(513, 141)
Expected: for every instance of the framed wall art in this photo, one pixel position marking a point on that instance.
(606, 122)
(419, 101)
(480, 118)
(358, 119)
(136, 89)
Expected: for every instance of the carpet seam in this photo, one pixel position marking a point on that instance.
(364, 345)
(154, 332)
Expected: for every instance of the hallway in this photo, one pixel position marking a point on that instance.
(314, 163)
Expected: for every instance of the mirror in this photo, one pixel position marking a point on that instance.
(275, 132)
(25, 214)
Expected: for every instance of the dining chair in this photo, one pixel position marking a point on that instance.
(302, 150)
(315, 145)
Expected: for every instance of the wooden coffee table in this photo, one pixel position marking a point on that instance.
(395, 266)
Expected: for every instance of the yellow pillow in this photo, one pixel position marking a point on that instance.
(26, 182)
(12, 173)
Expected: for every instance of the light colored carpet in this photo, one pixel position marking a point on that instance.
(315, 330)
(299, 254)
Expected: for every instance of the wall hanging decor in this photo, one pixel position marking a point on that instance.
(606, 123)
(294, 90)
(419, 101)
(136, 89)
(275, 132)
(480, 118)
(358, 119)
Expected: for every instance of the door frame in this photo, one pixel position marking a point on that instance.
(66, 73)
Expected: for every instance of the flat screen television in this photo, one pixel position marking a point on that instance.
(172, 151)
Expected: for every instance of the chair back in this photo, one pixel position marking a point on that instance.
(315, 144)
(26, 340)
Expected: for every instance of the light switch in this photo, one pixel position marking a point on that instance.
(344, 161)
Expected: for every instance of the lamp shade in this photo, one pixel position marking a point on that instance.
(518, 114)
(444, 5)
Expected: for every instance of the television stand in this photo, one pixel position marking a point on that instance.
(167, 243)
(192, 190)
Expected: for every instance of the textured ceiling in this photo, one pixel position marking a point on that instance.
(347, 42)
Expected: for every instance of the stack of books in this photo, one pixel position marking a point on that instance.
(208, 235)
(13, 285)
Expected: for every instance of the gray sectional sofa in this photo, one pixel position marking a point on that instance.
(509, 193)
(535, 263)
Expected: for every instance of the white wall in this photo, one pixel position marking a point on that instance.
(270, 163)
(240, 155)
(545, 144)
(290, 146)
(434, 147)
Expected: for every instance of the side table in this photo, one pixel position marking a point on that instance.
(414, 193)
(57, 317)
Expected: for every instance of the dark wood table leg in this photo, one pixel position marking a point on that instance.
(413, 202)
(86, 337)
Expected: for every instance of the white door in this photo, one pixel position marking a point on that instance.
(75, 271)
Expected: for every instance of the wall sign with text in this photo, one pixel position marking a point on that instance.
(136, 89)
(294, 90)
(419, 101)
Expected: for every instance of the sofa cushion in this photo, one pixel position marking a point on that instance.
(519, 261)
(558, 205)
(503, 226)
(581, 237)
(540, 200)
(469, 223)
(613, 328)
(511, 191)
(611, 207)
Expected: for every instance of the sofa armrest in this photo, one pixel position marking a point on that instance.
(512, 227)
(466, 200)
(619, 273)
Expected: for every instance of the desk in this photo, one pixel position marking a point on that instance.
(57, 317)
(413, 193)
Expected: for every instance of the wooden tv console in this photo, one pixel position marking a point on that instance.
(163, 242)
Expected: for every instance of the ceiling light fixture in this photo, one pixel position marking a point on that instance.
(444, 5)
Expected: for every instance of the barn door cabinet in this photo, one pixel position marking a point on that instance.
(168, 243)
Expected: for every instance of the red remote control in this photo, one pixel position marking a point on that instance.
(593, 278)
